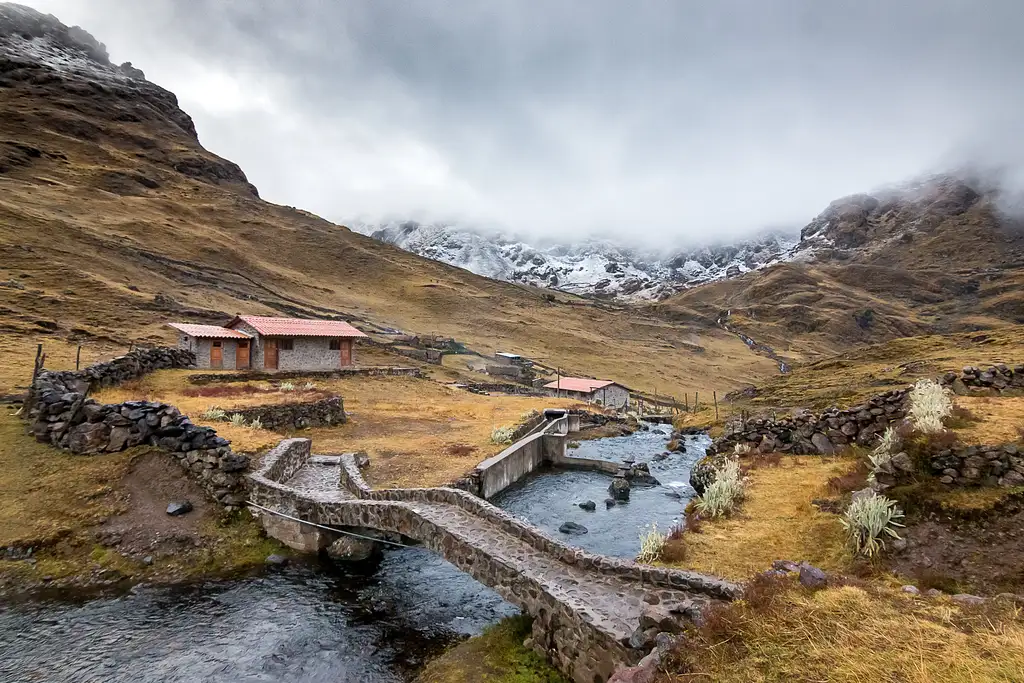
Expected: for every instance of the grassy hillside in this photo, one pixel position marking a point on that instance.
(114, 219)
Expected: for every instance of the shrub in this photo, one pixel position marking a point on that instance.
(887, 447)
(930, 404)
(868, 520)
(724, 493)
(256, 423)
(502, 435)
(238, 420)
(741, 449)
(286, 386)
(651, 545)
(308, 386)
(214, 413)
(528, 415)
(573, 444)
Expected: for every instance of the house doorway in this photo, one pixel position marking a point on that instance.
(216, 355)
(346, 352)
(242, 355)
(270, 354)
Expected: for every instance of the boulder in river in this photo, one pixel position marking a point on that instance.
(588, 505)
(572, 528)
(609, 502)
(619, 488)
(179, 507)
(276, 560)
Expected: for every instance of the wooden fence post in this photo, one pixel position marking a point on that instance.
(696, 399)
(78, 357)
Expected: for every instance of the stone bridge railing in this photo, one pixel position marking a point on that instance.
(585, 645)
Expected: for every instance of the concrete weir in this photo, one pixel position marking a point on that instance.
(585, 607)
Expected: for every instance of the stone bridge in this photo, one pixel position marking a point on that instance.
(585, 607)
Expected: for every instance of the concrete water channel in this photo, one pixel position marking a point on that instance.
(373, 622)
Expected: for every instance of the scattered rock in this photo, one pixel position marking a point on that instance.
(589, 506)
(911, 589)
(351, 549)
(276, 560)
(609, 502)
(659, 618)
(642, 638)
(572, 528)
(178, 508)
(147, 560)
(969, 600)
(933, 592)
(812, 577)
(902, 462)
(651, 599)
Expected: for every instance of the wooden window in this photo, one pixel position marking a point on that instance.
(285, 344)
(335, 345)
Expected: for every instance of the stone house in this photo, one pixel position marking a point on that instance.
(251, 342)
(601, 391)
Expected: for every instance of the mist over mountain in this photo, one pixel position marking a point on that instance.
(596, 267)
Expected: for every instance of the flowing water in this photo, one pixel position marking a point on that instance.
(369, 623)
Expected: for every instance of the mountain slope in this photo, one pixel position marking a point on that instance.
(114, 219)
(936, 256)
(587, 267)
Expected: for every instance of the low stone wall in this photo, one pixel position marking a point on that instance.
(806, 432)
(965, 466)
(290, 416)
(809, 433)
(252, 376)
(62, 415)
(997, 378)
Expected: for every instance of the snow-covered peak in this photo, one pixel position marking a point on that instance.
(41, 38)
(589, 267)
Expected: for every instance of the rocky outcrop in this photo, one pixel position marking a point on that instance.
(289, 416)
(61, 414)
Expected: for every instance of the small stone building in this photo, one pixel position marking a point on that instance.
(601, 391)
(251, 342)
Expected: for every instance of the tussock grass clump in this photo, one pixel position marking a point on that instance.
(308, 386)
(502, 435)
(286, 386)
(651, 544)
(256, 423)
(237, 419)
(868, 520)
(930, 405)
(214, 413)
(723, 495)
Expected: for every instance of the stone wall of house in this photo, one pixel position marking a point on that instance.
(309, 353)
(288, 416)
(201, 349)
(224, 377)
(61, 414)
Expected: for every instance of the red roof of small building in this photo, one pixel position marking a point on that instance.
(580, 384)
(208, 331)
(297, 327)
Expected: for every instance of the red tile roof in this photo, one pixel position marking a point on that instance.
(297, 327)
(580, 384)
(208, 331)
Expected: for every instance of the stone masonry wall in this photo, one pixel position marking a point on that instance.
(805, 432)
(289, 416)
(61, 414)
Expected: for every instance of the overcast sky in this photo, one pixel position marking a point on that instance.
(649, 120)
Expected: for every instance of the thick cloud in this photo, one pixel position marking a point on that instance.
(652, 121)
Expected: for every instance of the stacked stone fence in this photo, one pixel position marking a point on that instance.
(806, 433)
(61, 414)
(1001, 465)
(254, 375)
(295, 416)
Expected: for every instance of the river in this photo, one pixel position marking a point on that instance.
(376, 622)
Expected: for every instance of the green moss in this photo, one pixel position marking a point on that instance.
(497, 656)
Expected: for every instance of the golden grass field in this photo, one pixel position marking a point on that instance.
(417, 432)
